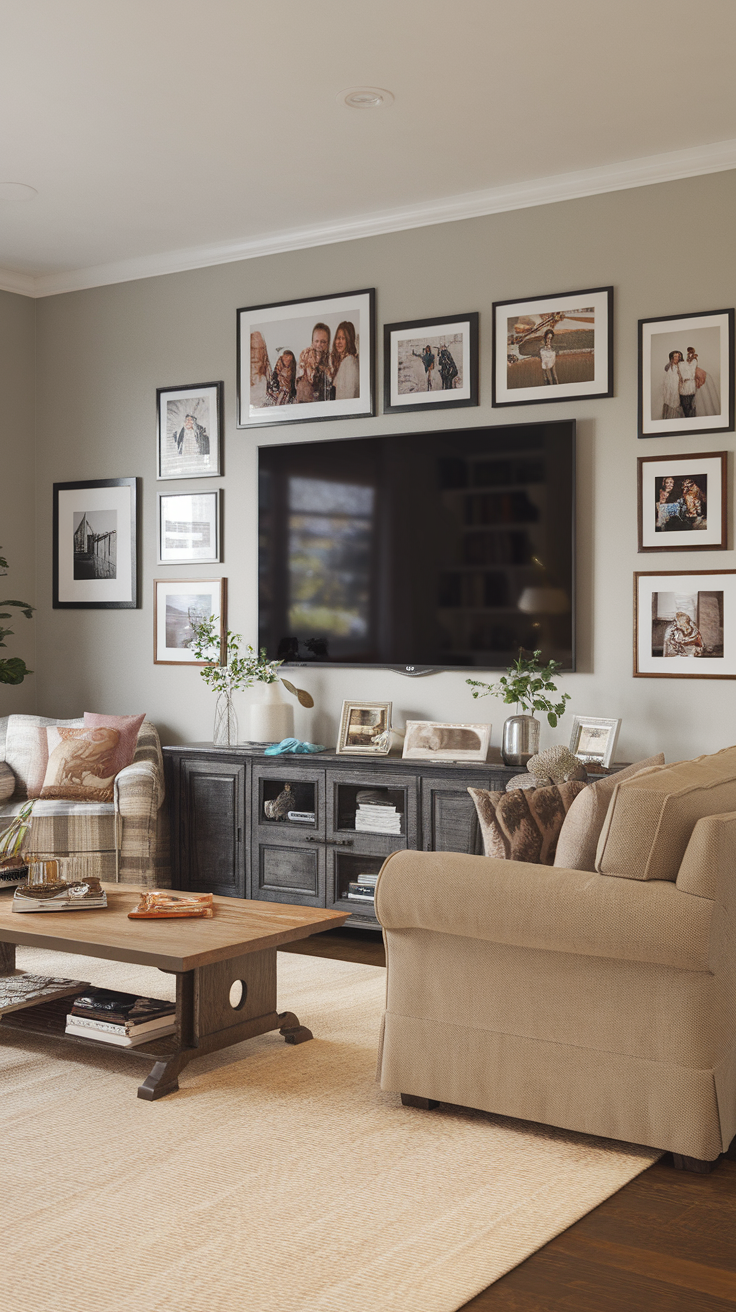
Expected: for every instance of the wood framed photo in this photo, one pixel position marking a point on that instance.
(179, 604)
(305, 360)
(686, 374)
(95, 565)
(593, 740)
(682, 502)
(685, 624)
(432, 740)
(365, 729)
(189, 528)
(431, 362)
(189, 433)
(553, 348)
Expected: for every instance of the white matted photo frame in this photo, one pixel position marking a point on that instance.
(593, 740)
(686, 374)
(95, 544)
(431, 363)
(179, 604)
(682, 502)
(308, 359)
(365, 729)
(189, 527)
(685, 624)
(553, 348)
(189, 431)
(433, 740)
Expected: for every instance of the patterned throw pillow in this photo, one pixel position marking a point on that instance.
(524, 825)
(126, 725)
(7, 782)
(83, 763)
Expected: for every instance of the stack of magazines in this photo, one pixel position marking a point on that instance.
(363, 889)
(120, 1018)
(374, 814)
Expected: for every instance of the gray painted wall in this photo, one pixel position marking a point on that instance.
(102, 353)
(17, 493)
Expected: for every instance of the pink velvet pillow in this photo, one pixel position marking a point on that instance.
(126, 725)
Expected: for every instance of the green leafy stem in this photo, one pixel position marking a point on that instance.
(12, 668)
(527, 683)
(235, 672)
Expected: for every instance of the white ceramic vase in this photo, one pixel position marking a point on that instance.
(271, 718)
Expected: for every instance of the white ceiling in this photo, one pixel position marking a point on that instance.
(164, 134)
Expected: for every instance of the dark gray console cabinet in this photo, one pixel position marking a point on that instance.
(223, 842)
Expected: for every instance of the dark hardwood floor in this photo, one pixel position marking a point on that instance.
(664, 1243)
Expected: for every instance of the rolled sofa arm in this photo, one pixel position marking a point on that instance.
(139, 794)
(531, 906)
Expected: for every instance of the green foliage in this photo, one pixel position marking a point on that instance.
(527, 684)
(238, 671)
(12, 668)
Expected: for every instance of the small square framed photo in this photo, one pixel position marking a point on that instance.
(95, 545)
(305, 360)
(686, 374)
(365, 729)
(432, 740)
(593, 740)
(180, 604)
(682, 502)
(685, 624)
(189, 528)
(553, 348)
(189, 431)
(431, 362)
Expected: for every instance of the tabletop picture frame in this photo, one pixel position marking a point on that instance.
(95, 544)
(365, 729)
(593, 739)
(431, 363)
(435, 740)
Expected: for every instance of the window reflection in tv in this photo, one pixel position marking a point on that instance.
(449, 549)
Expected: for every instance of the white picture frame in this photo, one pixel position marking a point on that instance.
(685, 624)
(593, 739)
(189, 528)
(365, 729)
(436, 740)
(176, 604)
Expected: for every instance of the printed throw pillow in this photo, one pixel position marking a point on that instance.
(525, 824)
(7, 782)
(580, 833)
(83, 763)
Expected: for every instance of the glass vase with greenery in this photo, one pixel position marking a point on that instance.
(232, 674)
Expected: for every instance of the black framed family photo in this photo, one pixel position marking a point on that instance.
(686, 374)
(304, 360)
(431, 363)
(189, 431)
(553, 348)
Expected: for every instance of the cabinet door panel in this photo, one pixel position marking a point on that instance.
(290, 874)
(212, 820)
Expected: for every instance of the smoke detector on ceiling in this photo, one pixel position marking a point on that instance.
(366, 98)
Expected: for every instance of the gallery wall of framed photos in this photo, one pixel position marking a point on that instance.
(430, 284)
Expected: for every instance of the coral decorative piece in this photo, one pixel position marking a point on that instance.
(556, 765)
(157, 905)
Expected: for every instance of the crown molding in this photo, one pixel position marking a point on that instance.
(644, 172)
(24, 284)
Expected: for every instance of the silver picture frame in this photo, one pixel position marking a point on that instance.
(593, 739)
(365, 729)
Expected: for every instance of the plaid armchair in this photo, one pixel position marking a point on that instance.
(128, 837)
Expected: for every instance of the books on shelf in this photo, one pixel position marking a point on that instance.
(377, 818)
(119, 1018)
(303, 817)
(362, 889)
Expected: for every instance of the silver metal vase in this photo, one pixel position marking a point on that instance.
(520, 739)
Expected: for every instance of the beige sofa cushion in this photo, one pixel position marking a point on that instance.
(578, 841)
(651, 818)
(525, 824)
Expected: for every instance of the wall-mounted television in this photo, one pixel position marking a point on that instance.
(420, 551)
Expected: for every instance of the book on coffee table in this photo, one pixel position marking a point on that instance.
(18, 991)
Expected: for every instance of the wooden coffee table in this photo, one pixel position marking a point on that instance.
(207, 957)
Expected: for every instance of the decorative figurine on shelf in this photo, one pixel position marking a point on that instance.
(526, 683)
(278, 808)
(293, 745)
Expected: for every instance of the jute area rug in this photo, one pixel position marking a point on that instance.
(278, 1179)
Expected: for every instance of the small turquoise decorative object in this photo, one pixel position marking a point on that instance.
(293, 745)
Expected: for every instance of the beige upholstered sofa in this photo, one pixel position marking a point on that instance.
(127, 837)
(600, 1001)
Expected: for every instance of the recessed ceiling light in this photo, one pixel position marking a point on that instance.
(16, 191)
(366, 98)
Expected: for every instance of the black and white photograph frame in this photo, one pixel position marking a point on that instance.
(434, 740)
(593, 739)
(300, 361)
(685, 624)
(686, 374)
(189, 528)
(189, 431)
(430, 363)
(95, 544)
(180, 604)
(681, 502)
(553, 348)
(365, 729)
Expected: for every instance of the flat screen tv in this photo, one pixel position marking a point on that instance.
(420, 551)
